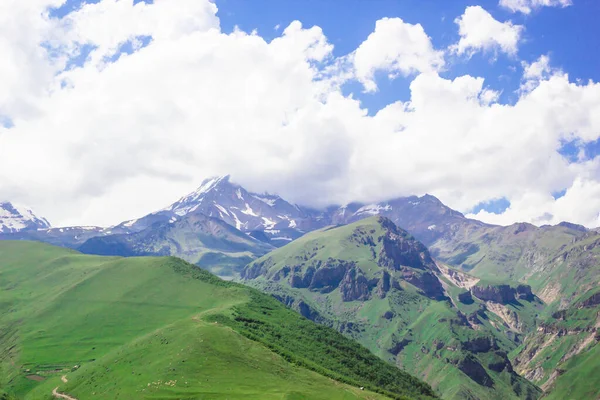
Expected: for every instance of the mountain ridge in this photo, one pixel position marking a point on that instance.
(377, 284)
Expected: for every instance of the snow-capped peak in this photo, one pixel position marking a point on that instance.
(219, 198)
(210, 184)
(193, 200)
(15, 218)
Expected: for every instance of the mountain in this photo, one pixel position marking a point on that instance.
(266, 215)
(425, 217)
(377, 284)
(15, 218)
(195, 237)
(136, 328)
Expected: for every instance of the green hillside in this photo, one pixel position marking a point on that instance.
(376, 284)
(562, 265)
(134, 328)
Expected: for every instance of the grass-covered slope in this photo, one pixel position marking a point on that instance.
(196, 238)
(378, 285)
(134, 328)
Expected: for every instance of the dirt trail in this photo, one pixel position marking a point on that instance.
(58, 395)
(64, 379)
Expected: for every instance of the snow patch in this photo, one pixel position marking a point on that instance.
(129, 224)
(288, 239)
(238, 223)
(268, 223)
(373, 209)
(222, 209)
(249, 211)
(431, 227)
(267, 200)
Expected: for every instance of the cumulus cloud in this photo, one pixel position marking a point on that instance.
(395, 47)
(527, 6)
(116, 138)
(536, 72)
(479, 31)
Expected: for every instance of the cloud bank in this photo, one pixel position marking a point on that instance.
(108, 124)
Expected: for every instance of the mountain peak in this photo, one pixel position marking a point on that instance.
(212, 183)
(16, 218)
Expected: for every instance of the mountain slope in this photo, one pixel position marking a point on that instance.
(375, 283)
(196, 238)
(113, 328)
(15, 218)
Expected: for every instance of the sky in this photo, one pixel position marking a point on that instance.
(111, 109)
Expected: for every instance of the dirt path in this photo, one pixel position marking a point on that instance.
(58, 395)
(64, 379)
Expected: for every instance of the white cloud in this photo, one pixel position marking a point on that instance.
(120, 139)
(580, 205)
(479, 31)
(395, 47)
(526, 6)
(536, 72)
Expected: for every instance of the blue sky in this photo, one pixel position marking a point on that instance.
(569, 35)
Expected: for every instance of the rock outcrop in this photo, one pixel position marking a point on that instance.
(503, 294)
(354, 286)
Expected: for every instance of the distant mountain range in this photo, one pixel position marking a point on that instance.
(270, 219)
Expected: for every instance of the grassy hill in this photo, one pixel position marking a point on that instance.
(133, 328)
(376, 284)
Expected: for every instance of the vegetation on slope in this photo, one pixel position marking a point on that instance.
(376, 284)
(113, 328)
(562, 265)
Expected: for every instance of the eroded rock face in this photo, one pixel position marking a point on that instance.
(502, 294)
(253, 271)
(328, 278)
(354, 286)
(383, 285)
(400, 249)
(302, 280)
(427, 282)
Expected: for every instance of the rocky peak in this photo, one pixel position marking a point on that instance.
(16, 218)
(399, 249)
(263, 215)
